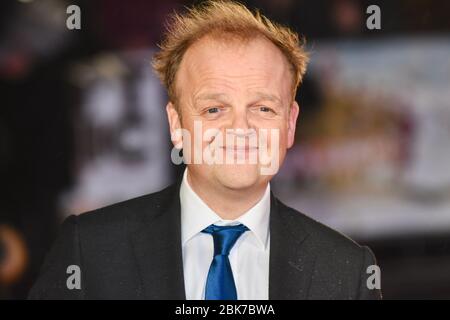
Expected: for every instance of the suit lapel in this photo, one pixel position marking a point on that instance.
(291, 255)
(156, 239)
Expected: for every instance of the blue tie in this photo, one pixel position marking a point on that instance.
(220, 283)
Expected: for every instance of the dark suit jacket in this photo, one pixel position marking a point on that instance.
(132, 250)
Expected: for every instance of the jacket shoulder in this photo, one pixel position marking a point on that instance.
(116, 214)
(341, 264)
(321, 235)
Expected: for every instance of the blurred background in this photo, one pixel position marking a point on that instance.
(82, 125)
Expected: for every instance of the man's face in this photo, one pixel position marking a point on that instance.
(231, 90)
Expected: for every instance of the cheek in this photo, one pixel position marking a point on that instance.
(283, 136)
(210, 132)
(202, 133)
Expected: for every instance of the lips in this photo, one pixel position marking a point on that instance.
(239, 149)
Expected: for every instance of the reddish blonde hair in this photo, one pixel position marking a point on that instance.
(223, 18)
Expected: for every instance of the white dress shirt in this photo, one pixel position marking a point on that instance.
(249, 257)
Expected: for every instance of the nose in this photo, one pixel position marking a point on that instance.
(240, 127)
(240, 120)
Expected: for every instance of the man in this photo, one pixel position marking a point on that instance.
(219, 232)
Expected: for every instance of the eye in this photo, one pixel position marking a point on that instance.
(212, 110)
(262, 110)
(265, 109)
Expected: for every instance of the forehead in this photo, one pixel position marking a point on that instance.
(234, 65)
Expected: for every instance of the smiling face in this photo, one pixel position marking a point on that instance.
(235, 85)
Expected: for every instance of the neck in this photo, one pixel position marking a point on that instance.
(227, 203)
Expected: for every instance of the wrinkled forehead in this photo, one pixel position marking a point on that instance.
(234, 63)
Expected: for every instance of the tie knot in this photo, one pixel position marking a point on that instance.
(225, 237)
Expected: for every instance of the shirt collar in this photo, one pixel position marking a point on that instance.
(196, 215)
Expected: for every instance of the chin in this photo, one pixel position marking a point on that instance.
(238, 176)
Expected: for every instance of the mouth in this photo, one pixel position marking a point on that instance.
(239, 149)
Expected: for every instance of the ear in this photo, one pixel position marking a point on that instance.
(174, 125)
(292, 123)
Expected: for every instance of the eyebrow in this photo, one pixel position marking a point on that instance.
(211, 96)
(267, 96)
(258, 94)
